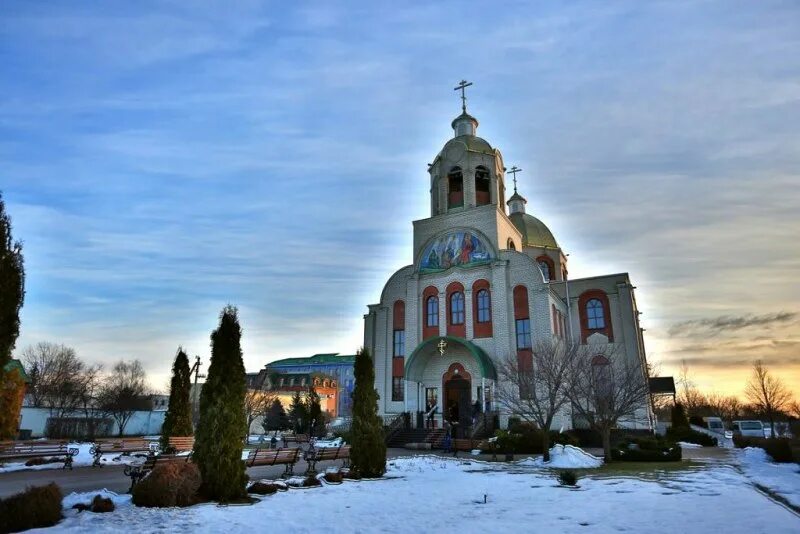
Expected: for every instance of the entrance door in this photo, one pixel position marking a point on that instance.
(457, 403)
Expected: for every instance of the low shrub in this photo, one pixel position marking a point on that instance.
(102, 505)
(262, 488)
(171, 484)
(691, 436)
(334, 478)
(646, 450)
(525, 438)
(33, 508)
(567, 478)
(311, 481)
(350, 474)
(43, 461)
(563, 438)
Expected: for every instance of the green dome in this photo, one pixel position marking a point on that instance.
(534, 232)
(466, 143)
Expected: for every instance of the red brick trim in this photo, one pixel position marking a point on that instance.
(481, 329)
(584, 298)
(521, 303)
(459, 330)
(451, 372)
(399, 315)
(550, 264)
(429, 331)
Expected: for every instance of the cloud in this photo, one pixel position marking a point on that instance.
(726, 323)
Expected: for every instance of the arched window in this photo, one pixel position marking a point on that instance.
(484, 306)
(457, 308)
(482, 186)
(455, 188)
(595, 316)
(545, 270)
(432, 311)
(511, 244)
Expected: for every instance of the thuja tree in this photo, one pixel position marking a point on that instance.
(298, 413)
(368, 451)
(12, 288)
(178, 419)
(218, 440)
(315, 422)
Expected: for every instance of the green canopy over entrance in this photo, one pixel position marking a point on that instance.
(415, 364)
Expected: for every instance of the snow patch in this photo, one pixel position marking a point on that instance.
(565, 456)
(86, 498)
(781, 479)
(687, 445)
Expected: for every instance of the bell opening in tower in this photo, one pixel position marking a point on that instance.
(455, 184)
(482, 186)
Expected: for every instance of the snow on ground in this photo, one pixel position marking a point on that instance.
(782, 479)
(83, 459)
(687, 445)
(565, 456)
(435, 494)
(86, 498)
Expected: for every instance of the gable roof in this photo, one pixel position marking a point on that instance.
(16, 364)
(316, 359)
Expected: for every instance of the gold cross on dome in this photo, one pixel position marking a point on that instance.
(462, 86)
(442, 345)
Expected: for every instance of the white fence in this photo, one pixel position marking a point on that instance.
(140, 424)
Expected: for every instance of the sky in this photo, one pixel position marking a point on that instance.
(163, 159)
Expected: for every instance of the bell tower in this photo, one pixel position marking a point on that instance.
(468, 172)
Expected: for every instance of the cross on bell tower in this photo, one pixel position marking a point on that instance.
(514, 170)
(462, 86)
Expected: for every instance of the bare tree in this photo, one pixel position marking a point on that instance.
(257, 402)
(767, 393)
(536, 391)
(57, 377)
(88, 402)
(691, 397)
(123, 392)
(605, 389)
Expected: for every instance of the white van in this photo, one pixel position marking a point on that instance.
(714, 424)
(749, 428)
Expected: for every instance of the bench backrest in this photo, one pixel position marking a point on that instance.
(276, 456)
(110, 445)
(299, 438)
(182, 443)
(9, 448)
(332, 453)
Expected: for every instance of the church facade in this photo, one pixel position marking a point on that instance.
(487, 282)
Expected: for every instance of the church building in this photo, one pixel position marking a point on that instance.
(488, 280)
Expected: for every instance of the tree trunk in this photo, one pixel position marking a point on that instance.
(607, 443)
(546, 445)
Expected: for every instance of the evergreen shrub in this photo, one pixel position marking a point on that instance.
(334, 478)
(262, 488)
(567, 477)
(368, 446)
(780, 449)
(167, 485)
(35, 507)
(691, 436)
(651, 449)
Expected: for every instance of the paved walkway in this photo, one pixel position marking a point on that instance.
(112, 477)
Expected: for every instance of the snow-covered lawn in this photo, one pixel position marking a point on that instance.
(83, 459)
(434, 494)
(782, 479)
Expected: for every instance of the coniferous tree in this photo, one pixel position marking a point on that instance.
(314, 412)
(12, 288)
(218, 440)
(178, 419)
(276, 418)
(368, 452)
(298, 413)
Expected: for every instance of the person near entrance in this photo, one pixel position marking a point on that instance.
(476, 411)
(430, 411)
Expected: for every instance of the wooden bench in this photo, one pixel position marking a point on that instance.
(267, 457)
(321, 454)
(122, 446)
(19, 450)
(295, 438)
(180, 444)
(138, 472)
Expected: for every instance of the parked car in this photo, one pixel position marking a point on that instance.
(749, 428)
